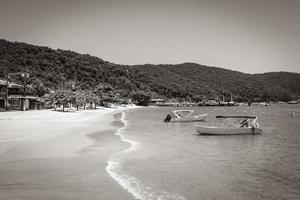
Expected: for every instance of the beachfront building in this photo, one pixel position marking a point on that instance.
(157, 102)
(3, 95)
(188, 104)
(211, 103)
(14, 96)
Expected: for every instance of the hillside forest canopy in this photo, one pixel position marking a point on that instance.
(93, 77)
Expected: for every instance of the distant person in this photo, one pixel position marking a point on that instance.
(249, 103)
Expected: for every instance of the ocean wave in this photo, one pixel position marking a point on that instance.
(132, 184)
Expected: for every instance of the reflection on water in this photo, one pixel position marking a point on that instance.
(172, 157)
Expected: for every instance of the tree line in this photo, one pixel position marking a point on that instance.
(187, 81)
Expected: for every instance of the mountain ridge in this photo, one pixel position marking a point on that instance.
(189, 81)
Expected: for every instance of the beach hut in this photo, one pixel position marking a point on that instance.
(13, 96)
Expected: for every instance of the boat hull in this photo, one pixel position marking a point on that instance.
(190, 119)
(228, 131)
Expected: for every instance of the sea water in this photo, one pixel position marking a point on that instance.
(171, 161)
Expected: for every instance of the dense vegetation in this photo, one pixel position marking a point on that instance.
(187, 81)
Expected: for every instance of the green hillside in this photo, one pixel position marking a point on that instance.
(186, 81)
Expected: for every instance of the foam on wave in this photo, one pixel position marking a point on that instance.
(132, 184)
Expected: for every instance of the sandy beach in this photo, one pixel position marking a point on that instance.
(59, 155)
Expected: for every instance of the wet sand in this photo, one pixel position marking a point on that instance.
(66, 166)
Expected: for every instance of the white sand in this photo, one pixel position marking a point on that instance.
(47, 155)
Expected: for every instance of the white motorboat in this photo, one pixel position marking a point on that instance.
(184, 116)
(232, 125)
(292, 102)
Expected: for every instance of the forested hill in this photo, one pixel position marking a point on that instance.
(185, 81)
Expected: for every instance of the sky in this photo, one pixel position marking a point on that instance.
(251, 36)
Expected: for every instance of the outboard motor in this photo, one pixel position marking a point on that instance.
(168, 118)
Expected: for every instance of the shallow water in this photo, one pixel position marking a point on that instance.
(171, 161)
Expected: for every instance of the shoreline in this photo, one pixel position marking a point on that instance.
(114, 164)
(131, 183)
(69, 165)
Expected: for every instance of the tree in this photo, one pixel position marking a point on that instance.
(92, 98)
(39, 87)
(142, 98)
(61, 97)
(79, 98)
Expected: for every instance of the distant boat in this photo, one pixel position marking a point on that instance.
(232, 125)
(184, 116)
(231, 102)
(281, 102)
(263, 104)
(223, 102)
(292, 102)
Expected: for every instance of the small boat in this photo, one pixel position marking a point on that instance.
(292, 102)
(231, 102)
(232, 125)
(223, 102)
(184, 116)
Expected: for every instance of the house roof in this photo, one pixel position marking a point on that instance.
(21, 97)
(158, 100)
(10, 84)
(2, 82)
(14, 85)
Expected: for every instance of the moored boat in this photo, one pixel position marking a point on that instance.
(292, 102)
(232, 125)
(184, 116)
